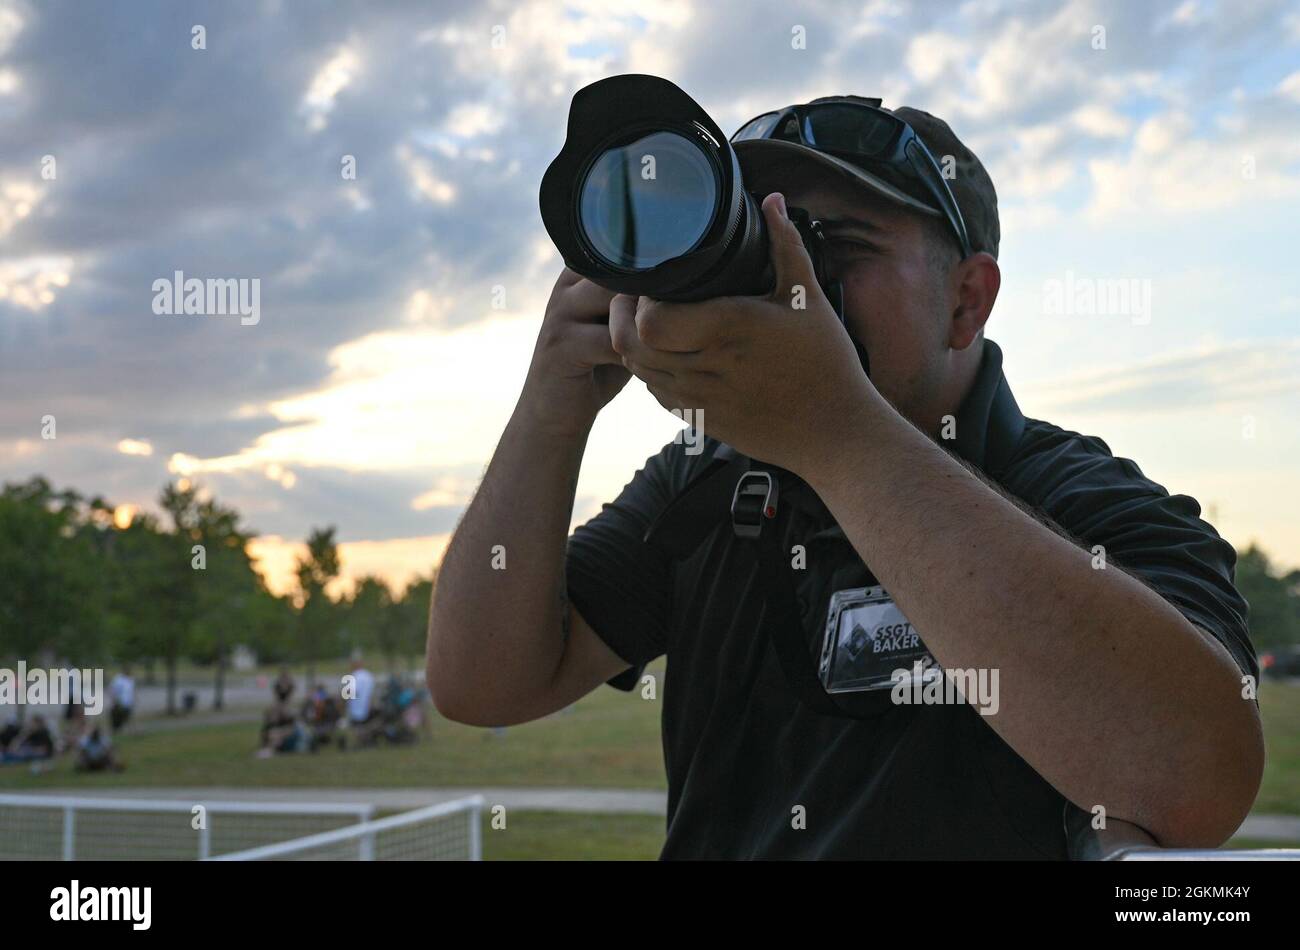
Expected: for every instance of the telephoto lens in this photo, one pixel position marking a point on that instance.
(646, 196)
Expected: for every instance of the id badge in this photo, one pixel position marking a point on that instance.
(867, 640)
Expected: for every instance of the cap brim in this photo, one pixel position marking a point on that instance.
(769, 156)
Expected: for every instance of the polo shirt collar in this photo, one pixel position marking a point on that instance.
(989, 422)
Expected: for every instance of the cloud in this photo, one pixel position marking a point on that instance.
(334, 76)
(134, 447)
(1290, 86)
(1174, 169)
(1228, 375)
(373, 389)
(397, 562)
(17, 200)
(33, 283)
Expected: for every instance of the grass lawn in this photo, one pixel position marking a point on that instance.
(564, 836)
(608, 739)
(1279, 704)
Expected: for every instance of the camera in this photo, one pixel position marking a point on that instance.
(646, 198)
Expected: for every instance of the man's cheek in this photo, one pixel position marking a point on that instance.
(880, 313)
(880, 328)
(862, 309)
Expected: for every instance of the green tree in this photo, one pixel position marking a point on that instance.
(370, 620)
(140, 568)
(181, 589)
(412, 609)
(318, 621)
(52, 591)
(1274, 601)
(228, 590)
(270, 626)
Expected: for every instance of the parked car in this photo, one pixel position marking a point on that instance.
(1281, 663)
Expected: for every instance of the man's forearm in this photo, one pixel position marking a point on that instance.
(1106, 690)
(497, 622)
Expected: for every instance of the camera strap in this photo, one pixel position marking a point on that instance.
(750, 492)
(759, 520)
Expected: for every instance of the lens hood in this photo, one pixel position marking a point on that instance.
(730, 255)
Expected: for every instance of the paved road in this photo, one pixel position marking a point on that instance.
(244, 698)
(1271, 828)
(241, 692)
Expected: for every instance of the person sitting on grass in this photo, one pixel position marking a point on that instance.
(404, 712)
(10, 732)
(321, 713)
(279, 731)
(416, 713)
(35, 744)
(95, 753)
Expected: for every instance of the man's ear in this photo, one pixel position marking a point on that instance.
(977, 280)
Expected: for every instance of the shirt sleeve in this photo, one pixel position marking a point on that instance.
(619, 584)
(1162, 540)
(1159, 538)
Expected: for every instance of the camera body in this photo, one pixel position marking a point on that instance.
(814, 241)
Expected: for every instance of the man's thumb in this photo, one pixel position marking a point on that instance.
(790, 259)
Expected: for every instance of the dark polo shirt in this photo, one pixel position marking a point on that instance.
(751, 772)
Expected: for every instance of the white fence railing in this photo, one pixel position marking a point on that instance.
(46, 827)
(447, 831)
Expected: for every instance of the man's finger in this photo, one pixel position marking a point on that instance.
(790, 258)
(590, 345)
(683, 327)
(587, 301)
(625, 337)
(622, 324)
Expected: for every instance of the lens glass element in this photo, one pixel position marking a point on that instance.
(648, 201)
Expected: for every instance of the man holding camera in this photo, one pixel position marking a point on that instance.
(1105, 604)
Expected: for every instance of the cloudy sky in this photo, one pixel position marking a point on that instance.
(1153, 143)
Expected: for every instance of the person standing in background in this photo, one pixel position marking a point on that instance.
(122, 690)
(363, 690)
(284, 686)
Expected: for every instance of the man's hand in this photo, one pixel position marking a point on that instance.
(771, 374)
(575, 371)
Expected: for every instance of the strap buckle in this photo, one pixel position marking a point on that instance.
(753, 503)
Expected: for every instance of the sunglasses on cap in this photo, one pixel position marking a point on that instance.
(858, 131)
